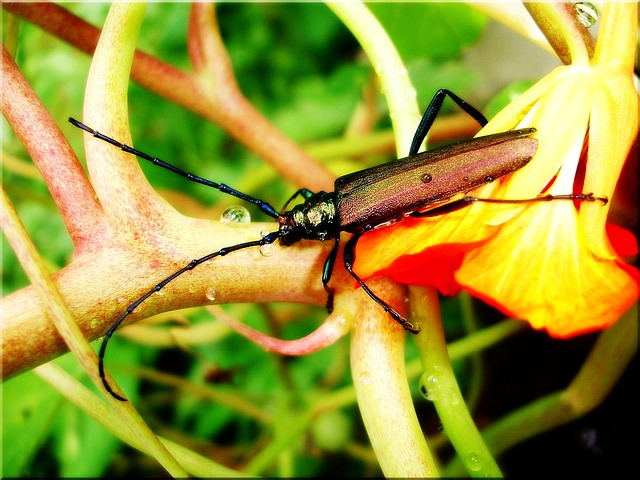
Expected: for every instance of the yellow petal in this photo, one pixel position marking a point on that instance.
(613, 127)
(540, 268)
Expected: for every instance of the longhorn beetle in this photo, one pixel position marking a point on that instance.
(419, 185)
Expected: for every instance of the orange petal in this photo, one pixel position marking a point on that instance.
(380, 248)
(539, 267)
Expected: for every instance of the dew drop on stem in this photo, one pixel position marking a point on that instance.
(235, 214)
(210, 293)
(586, 13)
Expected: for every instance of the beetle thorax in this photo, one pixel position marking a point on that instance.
(315, 219)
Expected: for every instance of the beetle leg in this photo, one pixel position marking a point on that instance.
(349, 257)
(463, 202)
(445, 208)
(431, 113)
(303, 192)
(327, 271)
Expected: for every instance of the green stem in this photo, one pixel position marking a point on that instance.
(394, 80)
(377, 349)
(606, 363)
(473, 343)
(439, 385)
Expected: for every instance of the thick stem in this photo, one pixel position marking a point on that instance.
(98, 287)
(60, 169)
(380, 379)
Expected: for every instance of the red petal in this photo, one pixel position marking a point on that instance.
(434, 267)
(624, 242)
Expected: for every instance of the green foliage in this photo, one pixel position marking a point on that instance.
(28, 414)
(436, 31)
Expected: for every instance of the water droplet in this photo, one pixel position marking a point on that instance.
(465, 178)
(426, 178)
(235, 214)
(489, 179)
(160, 293)
(210, 293)
(266, 249)
(430, 387)
(586, 13)
(364, 378)
(121, 300)
(473, 462)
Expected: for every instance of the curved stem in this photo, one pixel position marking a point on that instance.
(440, 386)
(558, 21)
(394, 79)
(128, 199)
(610, 356)
(46, 145)
(380, 380)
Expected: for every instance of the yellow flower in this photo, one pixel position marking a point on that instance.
(550, 263)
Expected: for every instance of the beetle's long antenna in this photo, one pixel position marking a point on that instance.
(264, 206)
(266, 240)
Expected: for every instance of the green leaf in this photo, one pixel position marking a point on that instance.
(439, 31)
(28, 410)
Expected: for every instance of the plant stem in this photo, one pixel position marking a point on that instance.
(610, 356)
(394, 79)
(440, 386)
(380, 380)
